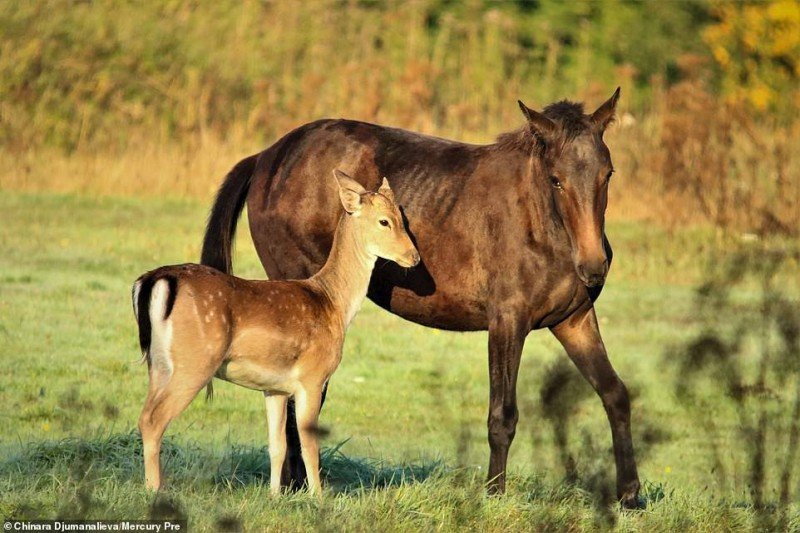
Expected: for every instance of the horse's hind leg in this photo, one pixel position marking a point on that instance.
(169, 394)
(580, 336)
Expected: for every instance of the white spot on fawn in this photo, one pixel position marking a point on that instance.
(161, 340)
(136, 288)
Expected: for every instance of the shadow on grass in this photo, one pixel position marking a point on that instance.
(246, 465)
(745, 360)
(120, 455)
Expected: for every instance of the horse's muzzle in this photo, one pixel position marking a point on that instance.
(593, 274)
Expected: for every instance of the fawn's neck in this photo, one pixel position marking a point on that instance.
(345, 275)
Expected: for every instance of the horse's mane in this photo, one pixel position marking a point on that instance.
(569, 118)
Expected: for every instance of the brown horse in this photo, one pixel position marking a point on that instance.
(511, 236)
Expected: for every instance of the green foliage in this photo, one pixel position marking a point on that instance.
(592, 40)
(756, 46)
(100, 73)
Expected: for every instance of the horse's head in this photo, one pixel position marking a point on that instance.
(576, 169)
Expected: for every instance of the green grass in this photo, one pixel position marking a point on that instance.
(406, 410)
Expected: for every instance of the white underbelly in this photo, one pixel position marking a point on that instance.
(257, 377)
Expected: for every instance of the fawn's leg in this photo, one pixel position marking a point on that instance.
(294, 470)
(276, 420)
(307, 405)
(168, 396)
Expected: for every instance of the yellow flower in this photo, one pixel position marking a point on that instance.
(722, 56)
(760, 96)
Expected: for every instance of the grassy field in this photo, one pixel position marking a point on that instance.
(406, 410)
(110, 110)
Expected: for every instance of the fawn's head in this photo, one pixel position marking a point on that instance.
(378, 220)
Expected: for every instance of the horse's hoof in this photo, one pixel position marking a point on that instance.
(495, 489)
(633, 502)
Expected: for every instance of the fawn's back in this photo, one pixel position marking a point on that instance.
(259, 334)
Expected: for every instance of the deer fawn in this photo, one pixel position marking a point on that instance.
(281, 337)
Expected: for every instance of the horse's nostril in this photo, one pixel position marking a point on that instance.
(593, 274)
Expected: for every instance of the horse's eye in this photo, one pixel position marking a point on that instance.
(384, 222)
(555, 182)
(608, 176)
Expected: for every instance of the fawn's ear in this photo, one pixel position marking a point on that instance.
(350, 192)
(386, 190)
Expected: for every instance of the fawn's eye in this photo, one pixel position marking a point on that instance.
(384, 222)
(555, 182)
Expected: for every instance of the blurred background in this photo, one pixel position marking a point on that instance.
(119, 119)
(130, 98)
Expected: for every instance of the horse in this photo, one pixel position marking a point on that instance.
(511, 236)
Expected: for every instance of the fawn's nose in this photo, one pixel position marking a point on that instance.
(413, 258)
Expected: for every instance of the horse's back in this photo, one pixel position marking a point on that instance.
(293, 208)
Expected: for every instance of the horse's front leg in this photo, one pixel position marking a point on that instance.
(580, 336)
(506, 339)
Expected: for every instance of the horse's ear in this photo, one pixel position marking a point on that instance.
(386, 190)
(539, 124)
(605, 113)
(350, 192)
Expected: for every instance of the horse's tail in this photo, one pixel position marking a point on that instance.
(142, 296)
(222, 221)
(224, 215)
